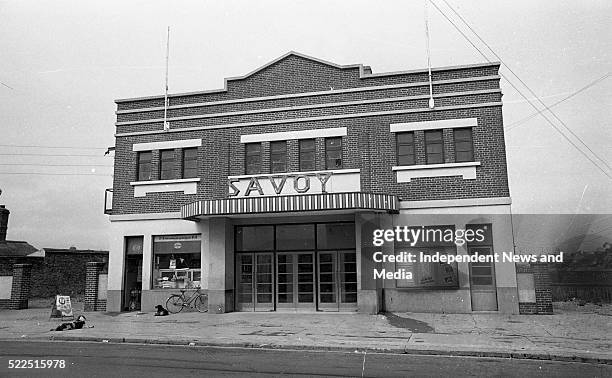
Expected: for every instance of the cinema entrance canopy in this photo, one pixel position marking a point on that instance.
(290, 204)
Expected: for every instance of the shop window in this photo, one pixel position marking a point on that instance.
(294, 237)
(405, 148)
(254, 238)
(333, 153)
(190, 163)
(434, 147)
(177, 261)
(336, 236)
(166, 164)
(464, 146)
(278, 156)
(426, 274)
(144, 166)
(307, 155)
(253, 158)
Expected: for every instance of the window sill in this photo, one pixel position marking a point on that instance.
(406, 173)
(187, 186)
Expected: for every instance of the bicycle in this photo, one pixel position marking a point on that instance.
(197, 300)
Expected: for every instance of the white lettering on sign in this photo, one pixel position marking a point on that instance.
(282, 184)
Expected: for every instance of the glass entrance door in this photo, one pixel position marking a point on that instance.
(337, 280)
(295, 284)
(254, 287)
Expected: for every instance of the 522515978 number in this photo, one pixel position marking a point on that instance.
(36, 364)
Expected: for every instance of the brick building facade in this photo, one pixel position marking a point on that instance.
(266, 193)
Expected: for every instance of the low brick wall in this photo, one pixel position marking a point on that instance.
(57, 273)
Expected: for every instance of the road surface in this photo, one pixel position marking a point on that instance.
(136, 360)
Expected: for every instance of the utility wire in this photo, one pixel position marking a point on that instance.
(520, 92)
(59, 165)
(35, 154)
(530, 91)
(516, 124)
(54, 174)
(66, 147)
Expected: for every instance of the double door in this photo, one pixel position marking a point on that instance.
(296, 281)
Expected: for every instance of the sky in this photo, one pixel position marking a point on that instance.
(63, 63)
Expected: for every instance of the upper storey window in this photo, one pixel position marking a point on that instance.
(278, 156)
(405, 148)
(434, 147)
(166, 164)
(190, 162)
(253, 158)
(333, 153)
(464, 146)
(307, 155)
(144, 166)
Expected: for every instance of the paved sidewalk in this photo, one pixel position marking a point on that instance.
(572, 334)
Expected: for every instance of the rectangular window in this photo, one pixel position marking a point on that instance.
(144, 166)
(405, 148)
(432, 240)
(464, 147)
(307, 155)
(278, 156)
(253, 158)
(333, 153)
(434, 147)
(190, 162)
(166, 164)
(177, 261)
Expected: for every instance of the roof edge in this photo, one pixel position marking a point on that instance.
(362, 75)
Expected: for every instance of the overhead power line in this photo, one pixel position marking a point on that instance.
(62, 147)
(546, 107)
(36, 154)
(58, 165)
(516, 124)
(54, 174)
(517, 89)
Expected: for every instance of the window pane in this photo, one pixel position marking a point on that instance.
(431, 136)
(336, 236)
(463, 134)
(333, 153)
(278, 156)
(463, 146)
(434, 147)
(405, 160)
(190, 162)
(166, 165)
(405, 138)
(177, 261)
(435, 159)
(144, 166)
(464, 156)
(253, 158)
(255, 238)
(307, 155)
(405, 150)
(295, 237)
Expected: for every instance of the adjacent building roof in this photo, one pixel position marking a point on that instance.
(16, 248)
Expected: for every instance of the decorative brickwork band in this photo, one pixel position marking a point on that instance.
(20, 290)
(91, 287)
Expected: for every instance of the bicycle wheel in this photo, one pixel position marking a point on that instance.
(201, 303)
(174, 304)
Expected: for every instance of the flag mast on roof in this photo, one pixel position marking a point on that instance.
(431, 99)
(166, 123)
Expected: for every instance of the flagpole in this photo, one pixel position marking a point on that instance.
(166, 123)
